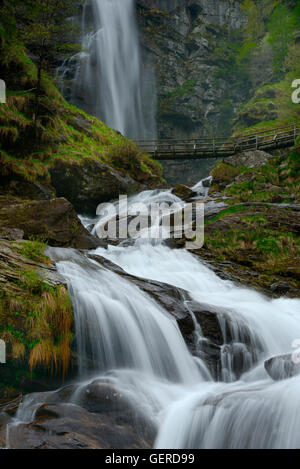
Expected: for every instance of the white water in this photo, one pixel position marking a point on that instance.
(110, 71)
(124, 336)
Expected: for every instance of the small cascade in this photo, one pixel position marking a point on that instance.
(128, 342)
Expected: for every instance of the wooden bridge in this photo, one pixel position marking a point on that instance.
(198, 148)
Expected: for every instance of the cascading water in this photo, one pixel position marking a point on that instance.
(109, 74)
(127, 339)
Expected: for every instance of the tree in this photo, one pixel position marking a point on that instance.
(45, 27)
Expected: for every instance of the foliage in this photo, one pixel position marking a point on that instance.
(257, 12)
(36, 319)
(34, 249)
(281, 27)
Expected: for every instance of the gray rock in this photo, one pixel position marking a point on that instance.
(282, 288)
(11, 234)
(250, 159)
(184, 192)
(282, 367)
(88, 183)
(54, 220)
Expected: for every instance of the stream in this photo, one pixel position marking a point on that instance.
(133, 344)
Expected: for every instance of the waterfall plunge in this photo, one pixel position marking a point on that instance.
(110, 75)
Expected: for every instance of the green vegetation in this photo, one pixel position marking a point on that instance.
(36, 318)
(257, 231)
(31, 141)
(271, 66)
(263, 248)
(33, 249)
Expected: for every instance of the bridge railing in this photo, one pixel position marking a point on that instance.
(219, 146)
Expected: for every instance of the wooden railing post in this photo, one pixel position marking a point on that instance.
(256, 142)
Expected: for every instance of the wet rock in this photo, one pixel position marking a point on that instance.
(5, 419)
(54, 220)
(207, 182)
(74, 428)
(218, 328)
(88, 183)
(168, 296)
(184, 192)
(281, 288)
(209, 323)
(282, 367)
(102, 418)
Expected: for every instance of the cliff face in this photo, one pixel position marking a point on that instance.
(180, 39)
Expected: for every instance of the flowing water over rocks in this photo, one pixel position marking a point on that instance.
(161, 340)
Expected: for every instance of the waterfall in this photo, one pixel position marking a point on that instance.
(118, 326)
(110, 78)
(125, 338)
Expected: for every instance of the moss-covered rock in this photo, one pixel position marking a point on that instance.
(184, 192)
(54, 221)
(86, 183)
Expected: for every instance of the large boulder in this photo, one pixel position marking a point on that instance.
(53, 220)
(88, 183)
(184, 192)
(17, 185)
(249, 159)
(100, 417)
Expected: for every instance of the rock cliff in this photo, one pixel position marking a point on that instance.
(180, 38)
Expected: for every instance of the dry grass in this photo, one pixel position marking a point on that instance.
(52, 325)
(18, 350)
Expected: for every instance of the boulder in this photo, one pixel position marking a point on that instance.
(184, 192)
(53, 220)
(100, 417)
(249, 159)
(16, 185)
(282, 288)
(88, 183)
(282, 367)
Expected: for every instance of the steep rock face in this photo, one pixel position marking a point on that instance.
(180, 39)
(186, 171)
(88, 183)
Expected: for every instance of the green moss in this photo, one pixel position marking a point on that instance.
(33, 249)
(62, 131)
(227, 211)
(226, 171)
